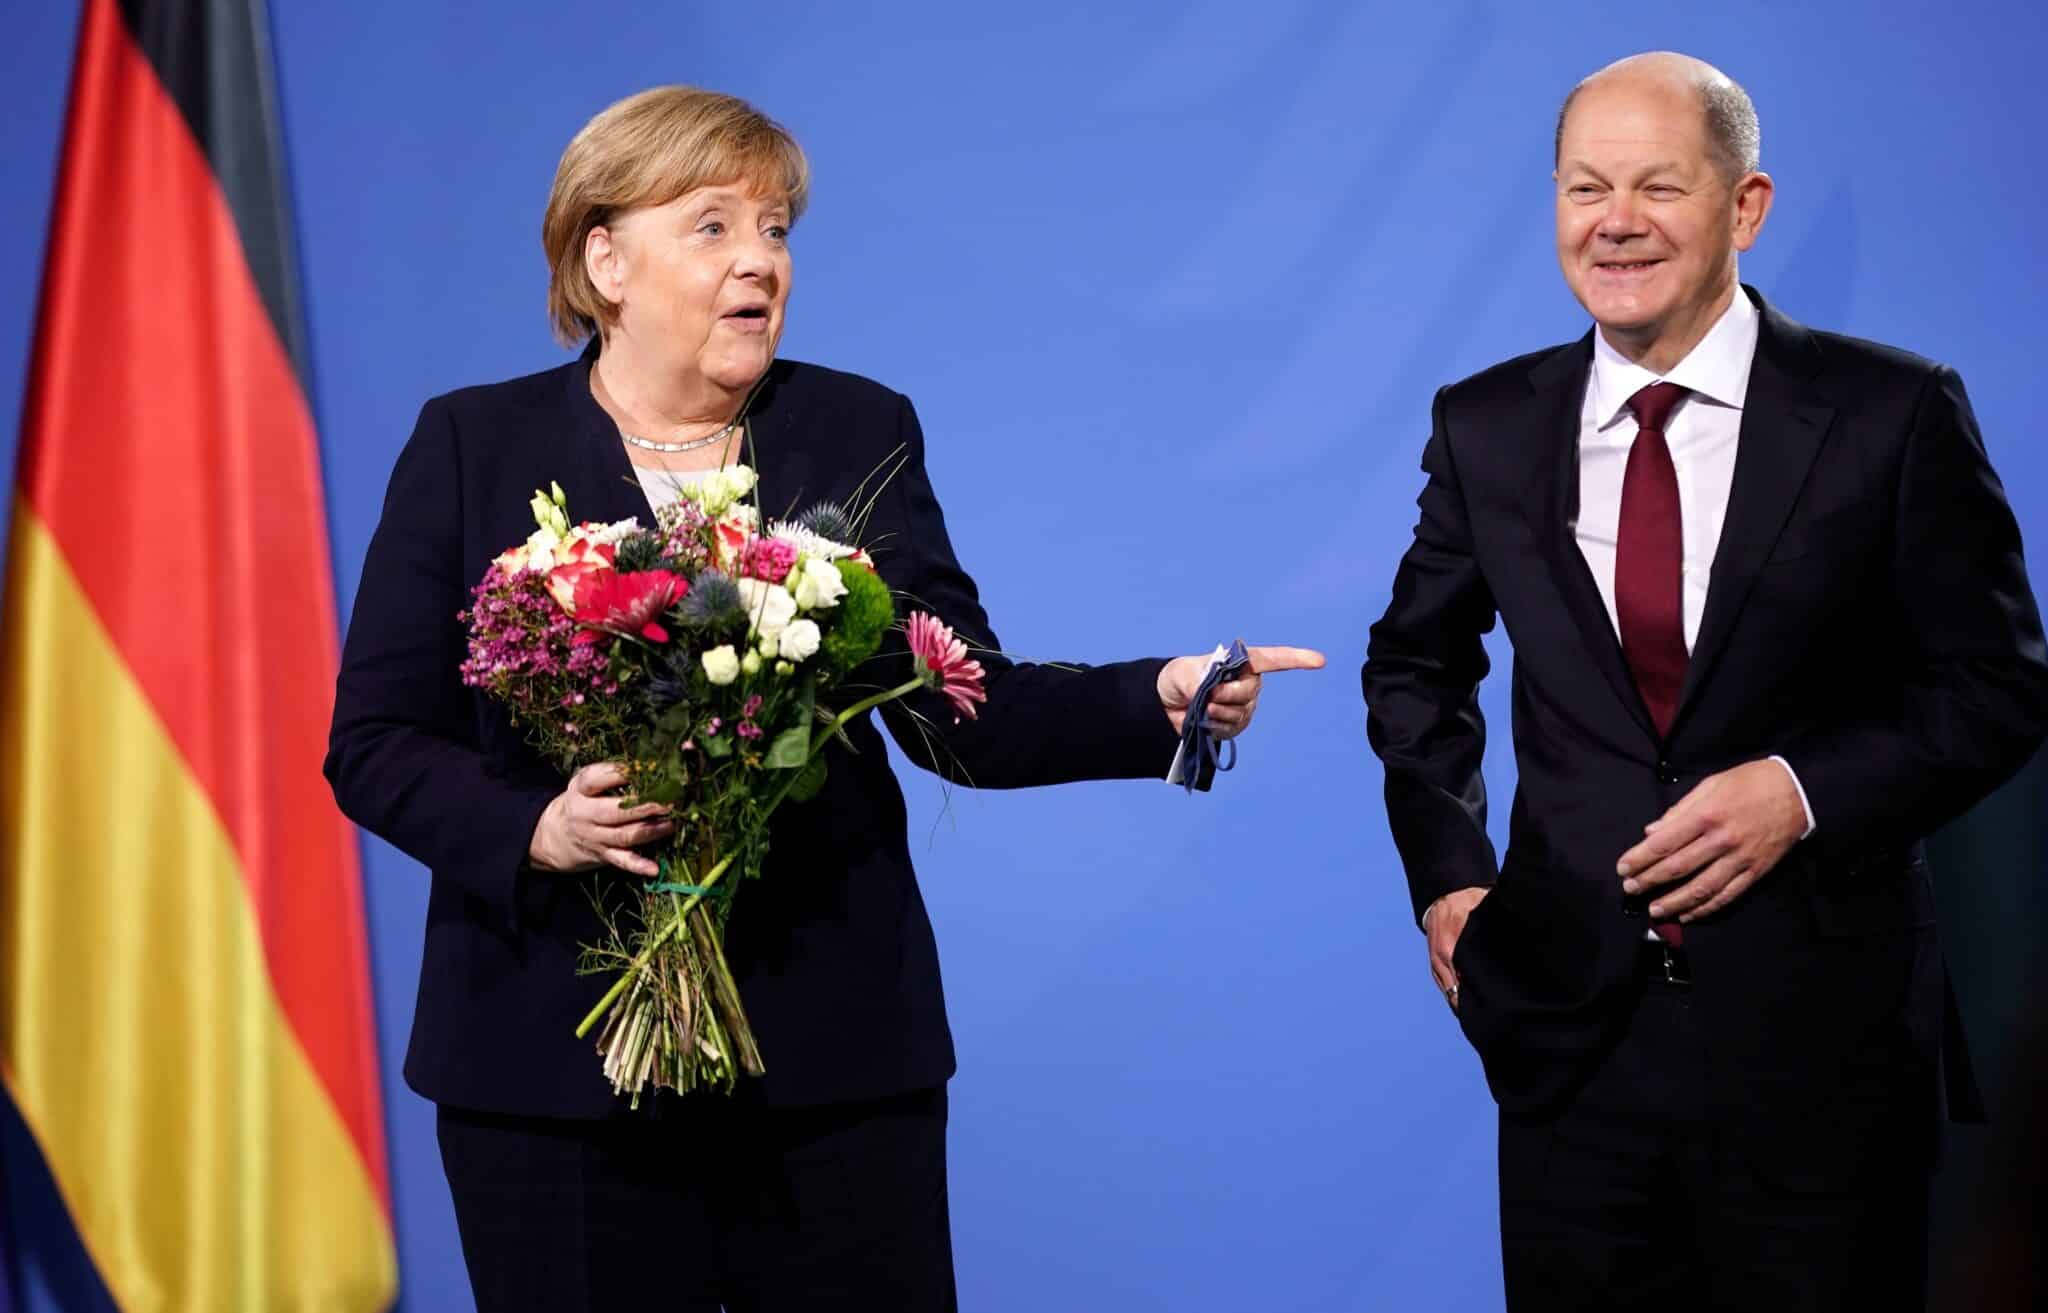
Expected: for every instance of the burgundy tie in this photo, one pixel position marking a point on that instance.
(1649, 556)
(1649, 553)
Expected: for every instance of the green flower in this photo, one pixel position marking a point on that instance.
(863, 617)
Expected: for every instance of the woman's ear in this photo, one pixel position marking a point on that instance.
(605, 263)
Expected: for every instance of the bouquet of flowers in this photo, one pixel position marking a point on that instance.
(703, 653)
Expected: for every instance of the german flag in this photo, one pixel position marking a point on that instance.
(185, 1018)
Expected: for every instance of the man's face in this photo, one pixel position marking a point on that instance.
(1648, 224)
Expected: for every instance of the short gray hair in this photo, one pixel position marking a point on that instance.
(1733, 135)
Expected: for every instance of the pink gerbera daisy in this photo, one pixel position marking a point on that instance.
(943, 662)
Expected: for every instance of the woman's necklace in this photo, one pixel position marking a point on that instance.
(648, 444)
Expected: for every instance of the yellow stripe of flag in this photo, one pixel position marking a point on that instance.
(197, 1152)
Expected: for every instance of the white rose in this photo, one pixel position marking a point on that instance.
(800, 640)
(721, 664)
(540, 549)
(769, 607)
(819, 586)
(608, 534)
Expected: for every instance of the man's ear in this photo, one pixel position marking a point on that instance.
(1753, 195)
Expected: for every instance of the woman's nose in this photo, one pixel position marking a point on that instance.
(756, 256)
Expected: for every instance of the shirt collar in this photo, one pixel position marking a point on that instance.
(1716, 369)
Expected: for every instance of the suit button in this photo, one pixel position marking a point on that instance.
(1665, 773)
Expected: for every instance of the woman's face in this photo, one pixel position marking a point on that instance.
(700, 282)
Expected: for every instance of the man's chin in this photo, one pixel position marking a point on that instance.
(1625, 316)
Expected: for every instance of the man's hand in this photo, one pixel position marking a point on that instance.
(1716, 841)
(1230, 705)
(1442, 924)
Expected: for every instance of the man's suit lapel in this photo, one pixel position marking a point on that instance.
(1559, 382)
(1784, 421)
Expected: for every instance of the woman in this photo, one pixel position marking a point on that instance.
(823, 1184)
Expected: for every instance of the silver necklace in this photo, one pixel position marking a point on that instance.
(648, 444)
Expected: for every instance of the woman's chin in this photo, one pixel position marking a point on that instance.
(736, 371)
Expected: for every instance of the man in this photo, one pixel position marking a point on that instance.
(1771, 628)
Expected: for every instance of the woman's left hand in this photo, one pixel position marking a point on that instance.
(1231, 705)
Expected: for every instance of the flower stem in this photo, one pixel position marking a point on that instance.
(865, 704)
(711, 877)
(632, 972)
(725, 993)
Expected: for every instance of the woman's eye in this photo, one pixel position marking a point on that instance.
(711, 228)
(777, 233)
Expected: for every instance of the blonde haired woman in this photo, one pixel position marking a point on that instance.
(823, 1184)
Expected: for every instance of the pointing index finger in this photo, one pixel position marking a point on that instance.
(1266, 660)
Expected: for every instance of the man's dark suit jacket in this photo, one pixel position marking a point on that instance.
(831, 946)
(1869, 620)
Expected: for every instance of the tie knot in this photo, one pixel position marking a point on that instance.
(1654, 404)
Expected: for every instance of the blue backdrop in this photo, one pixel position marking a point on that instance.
(1138, 266)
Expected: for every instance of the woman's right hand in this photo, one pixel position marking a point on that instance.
(583, 829)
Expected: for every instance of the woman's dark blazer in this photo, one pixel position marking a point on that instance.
(832, 946)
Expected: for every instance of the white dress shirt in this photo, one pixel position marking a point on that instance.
(1702, 435)
(664, 487)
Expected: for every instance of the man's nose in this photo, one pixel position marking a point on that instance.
(1622, 217)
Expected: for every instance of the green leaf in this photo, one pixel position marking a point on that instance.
(791, 749)
(716, 746)
(806, 699)
(665, 789)
(811, 779)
